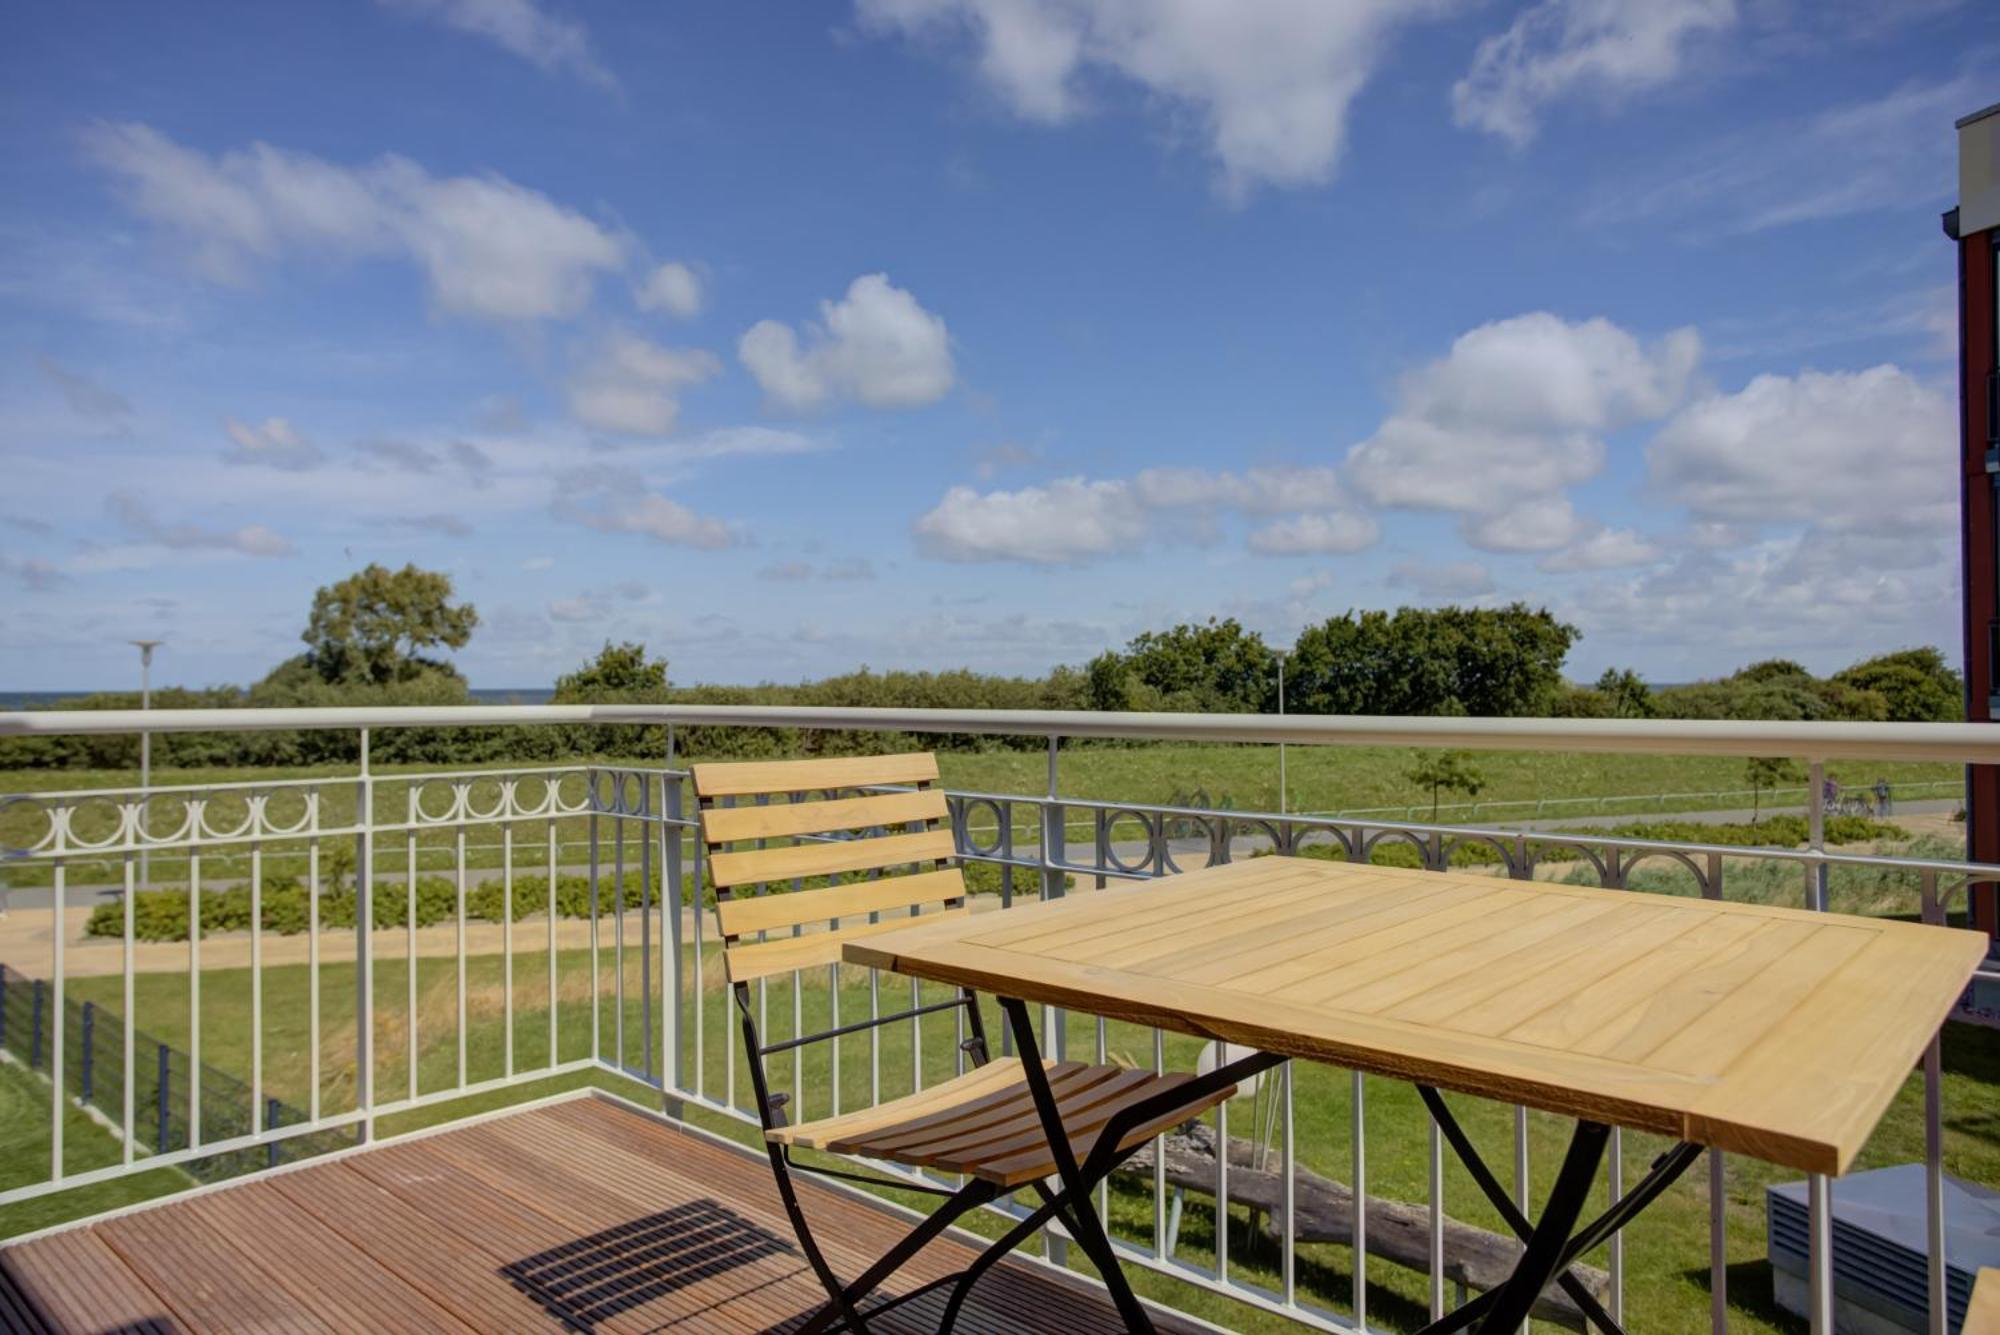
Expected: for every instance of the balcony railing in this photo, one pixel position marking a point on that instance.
(623, 972)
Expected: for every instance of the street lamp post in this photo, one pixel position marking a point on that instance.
(145, 648)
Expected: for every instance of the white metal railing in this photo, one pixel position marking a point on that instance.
(632, 821)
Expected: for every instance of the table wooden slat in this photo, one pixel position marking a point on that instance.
(1774, 1032)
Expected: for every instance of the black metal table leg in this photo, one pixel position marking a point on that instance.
(1666, 1170)
(1547, 1246)
(1082, 1213)
(1524, 1228)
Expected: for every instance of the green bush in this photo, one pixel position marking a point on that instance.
(162, 915)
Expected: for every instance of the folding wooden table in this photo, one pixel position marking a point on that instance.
(1777, 1033)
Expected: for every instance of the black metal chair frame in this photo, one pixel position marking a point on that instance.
(1070, 1202)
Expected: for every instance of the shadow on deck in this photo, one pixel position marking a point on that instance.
(579, 1215)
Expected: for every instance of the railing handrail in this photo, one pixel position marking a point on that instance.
(1957, 743)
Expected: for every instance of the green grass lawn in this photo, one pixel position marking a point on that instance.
(1667, 1251)
(1243, 778)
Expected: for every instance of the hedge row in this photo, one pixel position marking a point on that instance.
(162, 915)
(1771, 832)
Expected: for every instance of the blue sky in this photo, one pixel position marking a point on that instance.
(788, 338)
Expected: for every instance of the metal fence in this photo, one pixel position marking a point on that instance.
(623, 973)
(96, 1077)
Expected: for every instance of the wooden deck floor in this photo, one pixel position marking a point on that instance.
(581, 1215)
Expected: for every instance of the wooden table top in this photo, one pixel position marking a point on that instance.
(1777, 1033)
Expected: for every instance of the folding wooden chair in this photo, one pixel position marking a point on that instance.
(853, 821)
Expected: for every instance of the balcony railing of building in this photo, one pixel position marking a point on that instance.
(623, 973)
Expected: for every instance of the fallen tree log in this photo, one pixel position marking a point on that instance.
(1397, 1232)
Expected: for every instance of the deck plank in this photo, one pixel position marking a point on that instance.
(581, 1215)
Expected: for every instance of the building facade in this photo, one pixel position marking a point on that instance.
(1974, 226)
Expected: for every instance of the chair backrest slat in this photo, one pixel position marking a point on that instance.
(760, 959)
(782, 820)
(750, 778)
(750, 914)
(816, 826)
(829, 857)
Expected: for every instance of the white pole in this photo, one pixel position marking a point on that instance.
(1281, 746)
(145, 648)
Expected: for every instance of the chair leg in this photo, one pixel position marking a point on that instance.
(998, 1251)
(840, 1306)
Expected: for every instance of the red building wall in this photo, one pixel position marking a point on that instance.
(1980, 532)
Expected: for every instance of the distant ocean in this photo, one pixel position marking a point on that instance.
(499, 695)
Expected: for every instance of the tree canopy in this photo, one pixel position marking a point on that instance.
(1210, 667)
(620, 674)
(1916, 685)
(373, 627)
(1487, 662)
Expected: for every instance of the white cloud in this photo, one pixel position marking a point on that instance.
(1513, 416)
(631, 386)
(1300, 535)
(1890, 151)
(876, 345)
(1065, 522)
(996, 459)
(1534, 524)
(1800, 596)
(33, 573)
(846, 570)
(139, 520)
(272, 443)
(1258, 490)
(1849, 452)
(1558, 48)
(1073, 519)
(1442, 580)
(1605, 549)
(526, 28)
(673, 288)
(614, 500)
(488, 248)
(538, 563)
(437, 525)
(748, 441)
(575, 610)
(1268, 82)
(85, 397)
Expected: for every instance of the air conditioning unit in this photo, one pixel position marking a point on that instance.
(1881, 1248)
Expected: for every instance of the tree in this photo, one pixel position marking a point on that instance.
(1628, 692)
(1917, 685)
(372, 627)
(1108, 686)
(1445, 771)
(1483, 662)
(1210, 667)
(621, 673)
(1767, 772)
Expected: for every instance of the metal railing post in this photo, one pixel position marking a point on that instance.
(164, 1092)
(86, 1067)
(364, 925)
(35, 1048)
(671, 897)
